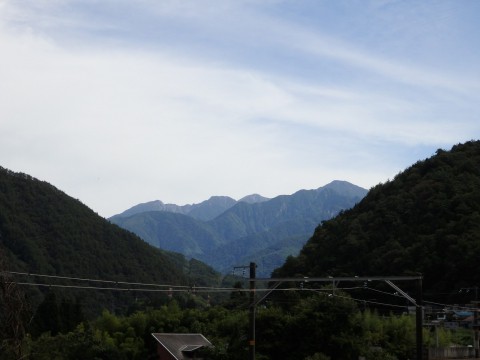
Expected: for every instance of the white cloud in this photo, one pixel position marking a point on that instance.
(116, 125)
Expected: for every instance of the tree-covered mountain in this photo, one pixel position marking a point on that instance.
(265, 231)
(426, 220)
(44, 231)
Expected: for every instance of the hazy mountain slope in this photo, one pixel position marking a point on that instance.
(211, 208)
(253, 198)
(426, 220)
(246, 219)
(268, 247)
(273, 256)
(249, 230)
(173, 232)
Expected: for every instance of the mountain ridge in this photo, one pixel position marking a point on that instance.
(205, 210)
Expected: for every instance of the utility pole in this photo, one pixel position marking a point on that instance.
(251, 335)
(418, 313)
(475, 330)
(419, 320)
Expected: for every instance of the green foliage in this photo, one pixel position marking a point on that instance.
(314, 327)
(84, 342)
(324, 324)
(318, 356)
(132, 334)
(387, 336)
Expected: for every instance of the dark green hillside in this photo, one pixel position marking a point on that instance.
(44, 231)
(425, 220)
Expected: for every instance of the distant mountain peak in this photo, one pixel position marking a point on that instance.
(253, 199)
(211, 208)
(218, 199)
(155, 205)
(345, 187)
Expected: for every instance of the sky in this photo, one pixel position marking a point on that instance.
(120, 102)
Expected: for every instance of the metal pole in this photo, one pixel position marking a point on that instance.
(419, 320)
(251, 341)
(475, 329)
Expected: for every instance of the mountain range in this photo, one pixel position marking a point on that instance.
(225, 233)
(206, 210)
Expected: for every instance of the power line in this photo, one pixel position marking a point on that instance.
(91, 280)
(184, 289)
(468, 308)
(117, 283)
(170, 288)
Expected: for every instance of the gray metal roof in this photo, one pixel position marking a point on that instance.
(190, 348)
(179, 345)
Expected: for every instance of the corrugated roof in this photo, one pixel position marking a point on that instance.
(190, 348)
(178, 344)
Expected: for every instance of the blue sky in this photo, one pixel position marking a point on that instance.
(119, 102)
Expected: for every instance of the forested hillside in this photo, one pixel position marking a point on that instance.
(44, 231)
(426, 220)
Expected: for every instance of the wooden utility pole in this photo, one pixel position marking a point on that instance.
(251, 334)
(419, 320)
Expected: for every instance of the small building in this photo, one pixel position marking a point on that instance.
(180, 346)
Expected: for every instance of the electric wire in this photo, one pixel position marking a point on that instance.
(467, 308)
(170, 288)
(122, 283)
(181, 288)
(91, 280)
(365, 301)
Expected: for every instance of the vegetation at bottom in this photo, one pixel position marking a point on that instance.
(298, 327)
